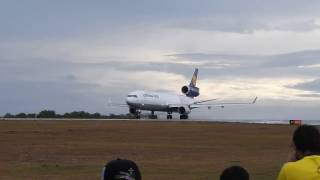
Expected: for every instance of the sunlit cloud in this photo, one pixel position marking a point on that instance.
(310, 66)
(265, 88)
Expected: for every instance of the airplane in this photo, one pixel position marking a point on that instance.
(171, 103)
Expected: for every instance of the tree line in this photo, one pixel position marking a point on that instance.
(68, 115)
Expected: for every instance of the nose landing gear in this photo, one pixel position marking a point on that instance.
(153, 116)
(169, 115)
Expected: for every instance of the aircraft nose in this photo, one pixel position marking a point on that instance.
(129, 100)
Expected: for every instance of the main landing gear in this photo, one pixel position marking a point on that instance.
(183, 116)
(169, 116)
(138, 115)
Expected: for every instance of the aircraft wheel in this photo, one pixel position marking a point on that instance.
(169, 116)
(183, 116)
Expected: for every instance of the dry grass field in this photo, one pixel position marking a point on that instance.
(163, 150)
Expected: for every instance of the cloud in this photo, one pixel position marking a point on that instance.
(47, 20)
(300, 59)
(247, 25)
(309, 95)
(313, 86)
(233, 88)
(301, 64)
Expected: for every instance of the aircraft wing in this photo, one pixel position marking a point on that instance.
(202, 101)
(110, 103)
(118, 105)
(221, 105)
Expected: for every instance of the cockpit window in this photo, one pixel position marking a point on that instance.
(131, 95)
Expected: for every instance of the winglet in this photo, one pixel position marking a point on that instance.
(255, 100)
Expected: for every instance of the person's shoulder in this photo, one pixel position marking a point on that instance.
(291, 166)
(300, 164)
(290, 170)
(312, 157)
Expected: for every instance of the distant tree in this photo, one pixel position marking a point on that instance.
(59, 116)
(84, 115)
(74, 114)
(47, 114)
(70, 115)
(66, 115)
(129, 116)
(112, 116)
(78, 114)
(32, 115)
(8, 115)
(119, 116)
(21, 115)
(96, 115)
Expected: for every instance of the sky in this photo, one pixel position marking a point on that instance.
(79, 55)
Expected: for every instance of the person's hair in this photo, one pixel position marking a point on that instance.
(234, 173)
(121, 169)
(306, 139)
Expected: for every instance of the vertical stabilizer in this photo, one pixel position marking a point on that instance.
(194, 78)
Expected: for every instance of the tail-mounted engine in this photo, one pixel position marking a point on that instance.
(190, 91)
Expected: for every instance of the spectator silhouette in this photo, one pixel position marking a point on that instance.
(304, 160)
(234, 173)
(120, 169)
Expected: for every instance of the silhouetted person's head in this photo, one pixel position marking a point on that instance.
(234, 173)
(306, 139)
(121, 169)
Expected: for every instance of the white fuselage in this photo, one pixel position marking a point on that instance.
(156, 101)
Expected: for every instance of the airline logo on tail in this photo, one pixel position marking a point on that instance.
(194, 78)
